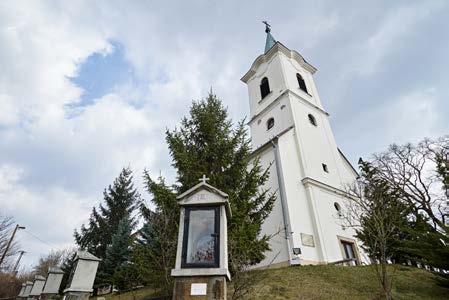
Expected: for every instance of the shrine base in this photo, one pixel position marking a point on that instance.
(200, 288)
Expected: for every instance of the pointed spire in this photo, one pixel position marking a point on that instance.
(270, 39)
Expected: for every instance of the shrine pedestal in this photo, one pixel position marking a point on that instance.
(76, 295)
(200, 288)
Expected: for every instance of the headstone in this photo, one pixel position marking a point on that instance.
(28, 287)
(38, 285)
(22, 290)
(53, 282)
(201, 269)
(82, 276)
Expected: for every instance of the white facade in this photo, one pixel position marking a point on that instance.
(307, 170)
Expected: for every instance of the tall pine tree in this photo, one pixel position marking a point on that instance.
(207, 142)
(120, 201)
(118, 254)
(155, 250)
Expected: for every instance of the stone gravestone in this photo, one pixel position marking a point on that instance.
(52, 284)
(22, 290)
(28, 287)
(201, 269)
(82, 276)
(38, 285)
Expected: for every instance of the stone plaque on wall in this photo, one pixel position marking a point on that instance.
(198, 289)
(307, 240)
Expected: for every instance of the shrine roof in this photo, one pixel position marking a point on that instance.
(202, 185)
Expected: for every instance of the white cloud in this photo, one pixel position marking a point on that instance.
(9, 175)
(416, 113)
(392, 34)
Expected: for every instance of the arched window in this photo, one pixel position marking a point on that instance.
(301, 82)
(270, 123)
(312, 120)
(264, 87)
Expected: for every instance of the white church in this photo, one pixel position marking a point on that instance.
(291, 134)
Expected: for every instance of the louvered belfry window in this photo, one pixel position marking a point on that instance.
(301, 82)
(264, 87)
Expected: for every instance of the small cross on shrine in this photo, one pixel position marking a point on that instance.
(204, 179)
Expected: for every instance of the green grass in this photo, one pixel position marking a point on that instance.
(333, 282)
(140, 294)
(329, 282)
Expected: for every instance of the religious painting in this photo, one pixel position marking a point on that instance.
(200, 245)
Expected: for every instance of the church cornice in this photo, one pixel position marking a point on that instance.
(278, 47)
(269, 143)
(308, 181)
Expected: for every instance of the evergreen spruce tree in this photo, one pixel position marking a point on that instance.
(118, 255)
(120, 201)
(208, 143)
(155, 251)
(68, 262)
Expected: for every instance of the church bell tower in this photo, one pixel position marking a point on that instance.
(291, 135)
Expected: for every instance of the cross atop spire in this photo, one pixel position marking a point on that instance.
(267, 26)
(270, 41)
(204, 179)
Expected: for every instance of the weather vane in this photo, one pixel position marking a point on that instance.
(267, 26)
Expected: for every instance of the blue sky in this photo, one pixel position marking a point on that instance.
(101, 72)
(89, 87)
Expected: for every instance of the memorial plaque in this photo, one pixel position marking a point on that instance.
(198, 289)
(307, 240)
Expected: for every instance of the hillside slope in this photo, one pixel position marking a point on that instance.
(333, 282)
(328, 282)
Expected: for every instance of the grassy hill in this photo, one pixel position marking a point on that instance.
(331, 282)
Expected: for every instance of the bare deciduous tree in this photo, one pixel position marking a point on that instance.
(412, 171)
(375, 212)
(52, 259)
(6, 228)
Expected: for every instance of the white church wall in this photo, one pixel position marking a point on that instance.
(348, 174)
(282, 115)
(272, 69)
(290, 68)
(299, 209)
(273, 225)
(331, 225)
(315, 144)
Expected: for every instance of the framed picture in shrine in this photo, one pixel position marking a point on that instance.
(200, 248)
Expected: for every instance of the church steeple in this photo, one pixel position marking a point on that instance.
(270, 41)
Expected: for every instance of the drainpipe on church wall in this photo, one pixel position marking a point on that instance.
(285, 216)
